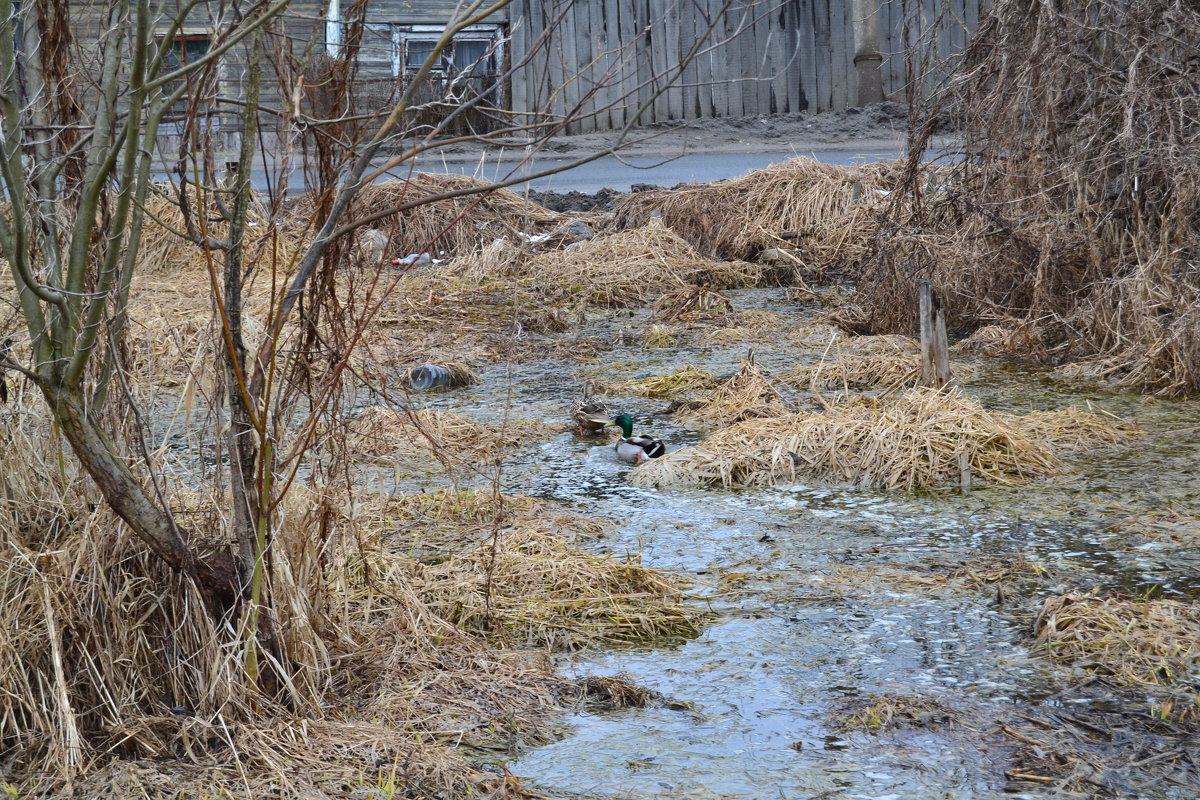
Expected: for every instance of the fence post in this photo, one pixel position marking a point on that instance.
(935, 348)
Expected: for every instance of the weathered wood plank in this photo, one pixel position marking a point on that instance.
(689, 17)
(671, 68)
(807, 47)
(717, 61)
(519, 42)
(824, 59)
(762, 48)
(736, 60)
(645, 65)
(839, 42)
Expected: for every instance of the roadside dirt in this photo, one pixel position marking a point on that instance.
(877, 126)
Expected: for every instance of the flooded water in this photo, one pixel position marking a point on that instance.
(813, 599)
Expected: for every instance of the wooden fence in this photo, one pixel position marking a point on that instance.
(606, 59)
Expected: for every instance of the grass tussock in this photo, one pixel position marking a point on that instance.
(749, 394)
(1132, 642)
(119, 681)
(918, 440)
(547, 594)
(660, 337)
(381, 432)
(676, 384)
(634, 266)
(738, 217)
(437, 523)
(1073, 429)
(881, 713)
(456, 225)
(864, 362)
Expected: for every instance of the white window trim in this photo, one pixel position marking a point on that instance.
(333, 28)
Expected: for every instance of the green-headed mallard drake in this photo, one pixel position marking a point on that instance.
(635, 449)
(589, 413)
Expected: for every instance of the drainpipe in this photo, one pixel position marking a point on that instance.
(867, 58)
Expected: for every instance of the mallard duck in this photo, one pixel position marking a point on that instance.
(589, 413)
(635, 449)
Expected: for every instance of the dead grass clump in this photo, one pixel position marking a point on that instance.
(1073, 429)
(1151, 642)
(737, 217)
(676, 384)
(743, 327)
(659, 337)
(547, 594)
(880, 713)
(1000, 341)
(456, 226)
(692, 304)
(749, 394)
(633, 266)
(918, 440)
(382, 432)
(441, 522)
(166, 248)
(864, 362)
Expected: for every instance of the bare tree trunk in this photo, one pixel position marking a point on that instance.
(217, 576)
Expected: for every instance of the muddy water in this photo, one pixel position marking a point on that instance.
(813, 608)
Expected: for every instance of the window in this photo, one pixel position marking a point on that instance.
(185, 48)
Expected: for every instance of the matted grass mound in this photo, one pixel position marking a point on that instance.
(457, 225)
(1072, 429)
(749, 394)
(635, 266)
(165, 250)
(735, 218)
(676, 384)
(451, 520)
(916, 441)
(545, 593)
(1151, 642)
(863, 362)
(383, 433)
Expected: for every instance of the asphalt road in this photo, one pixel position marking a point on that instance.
(620, 173)
(612, 172)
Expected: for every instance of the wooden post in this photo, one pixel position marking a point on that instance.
(935, 349)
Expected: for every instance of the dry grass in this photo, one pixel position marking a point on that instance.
(660, 337)
(1137, 643)
(918, 440)
(437, 523)
(634, 266)
(456, 226)
(676, 384)
(386, 433)
(881, 713)
(749, 394)
(166, 248)
(1088, 239)
(1072, 429)
(737, 217)
(547, 594)
(863, 362)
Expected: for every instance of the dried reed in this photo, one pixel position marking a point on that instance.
(916, 441)
(735, 218)
(1139, 643)
(544, 593)
(687, 380)
(749, 394)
